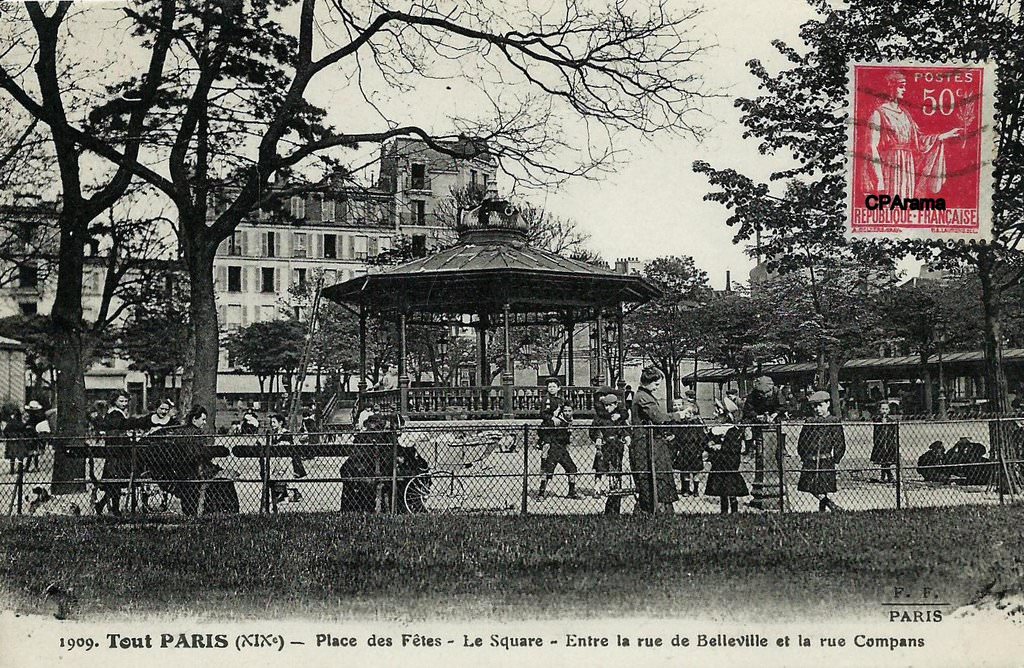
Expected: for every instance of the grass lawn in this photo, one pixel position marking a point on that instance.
(747, 567)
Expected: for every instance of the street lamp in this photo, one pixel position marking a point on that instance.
(942, 376)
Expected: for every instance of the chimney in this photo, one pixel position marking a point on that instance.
(728, 281)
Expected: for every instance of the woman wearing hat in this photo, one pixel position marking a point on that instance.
(647, 410)
(821, 447)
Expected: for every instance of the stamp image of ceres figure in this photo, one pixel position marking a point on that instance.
(905, 161)
(921, 153)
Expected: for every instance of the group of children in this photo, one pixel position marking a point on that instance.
(685, 434)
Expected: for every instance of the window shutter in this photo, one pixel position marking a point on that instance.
(350, 247)
(277, 279)
(265, 245)
(283, 245)
(222, 314)
(245, 315)
(222, 278)
(371, 249)
(256, 308)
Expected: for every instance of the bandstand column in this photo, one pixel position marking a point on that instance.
(482, 366)
(362, 351)
(599, 340)
(620, 327)
(570, 375)
(508, 375)
(403, 374)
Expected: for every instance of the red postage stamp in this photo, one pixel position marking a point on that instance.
(920, 150)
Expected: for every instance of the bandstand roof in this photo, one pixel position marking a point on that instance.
(488, 269)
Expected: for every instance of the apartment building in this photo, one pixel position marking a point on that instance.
(422, 179)
(332, 230)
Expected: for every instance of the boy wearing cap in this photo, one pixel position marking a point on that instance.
(607, 433)
(553, 437)
(821, 447)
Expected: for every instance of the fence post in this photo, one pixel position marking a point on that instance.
(780, 463)
(526, 470)
(899, 470)
(1002, 479)
(654, 477)
(19, 485)
(265, 475)
(132, 472)
(394, 474)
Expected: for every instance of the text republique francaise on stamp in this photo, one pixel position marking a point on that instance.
(920, 150)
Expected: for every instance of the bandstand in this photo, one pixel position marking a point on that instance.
(491, 279)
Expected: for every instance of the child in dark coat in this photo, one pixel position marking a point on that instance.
(724, 452)
(689, 441)
(609, 435)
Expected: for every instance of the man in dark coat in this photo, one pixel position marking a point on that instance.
(885, 438)
(553, 438)
(760, 407)
(647, 411)
(821, 447)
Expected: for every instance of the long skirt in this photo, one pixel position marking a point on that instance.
(640, 464)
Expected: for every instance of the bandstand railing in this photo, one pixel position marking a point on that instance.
(476, 402)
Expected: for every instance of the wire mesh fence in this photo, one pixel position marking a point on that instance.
(524, 469)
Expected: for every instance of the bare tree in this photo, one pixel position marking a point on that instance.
(241, 91)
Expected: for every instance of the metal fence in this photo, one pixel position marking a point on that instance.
(523, 469)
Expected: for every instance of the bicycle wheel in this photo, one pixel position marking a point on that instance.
(434, 492)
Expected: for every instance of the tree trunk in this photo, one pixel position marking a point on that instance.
(834, 364)
(199, 380)
(66, 315)
(990, 298)
(926, 376)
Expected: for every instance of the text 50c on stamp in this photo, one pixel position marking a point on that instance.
(920, 149)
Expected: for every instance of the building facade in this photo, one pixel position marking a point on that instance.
(423, 180)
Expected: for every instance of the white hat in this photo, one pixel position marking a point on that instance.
(34, 406)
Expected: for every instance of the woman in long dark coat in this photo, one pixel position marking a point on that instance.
(194, 477)
(116, 466)
(821, 447)
(647, 411)
(725, 453)
(885, 437)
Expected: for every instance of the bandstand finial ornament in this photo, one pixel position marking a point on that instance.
(493, 221)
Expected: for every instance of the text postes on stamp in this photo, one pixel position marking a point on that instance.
(920, 150)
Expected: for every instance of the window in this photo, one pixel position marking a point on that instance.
(267, 279)
(331, 246)
(28, 308)
(300, 278)
(419, 245)
(330, 277)
(271, 245)
(28, 276)
(234, 279)
(268, 313)
(299, 244)
(472, 177)
(419, 177)
(329, 210)
(235, 244)
(421, 212)
(360, 247)
(298, 207)
(234, 316)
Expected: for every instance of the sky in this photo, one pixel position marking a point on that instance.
(653, 204)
